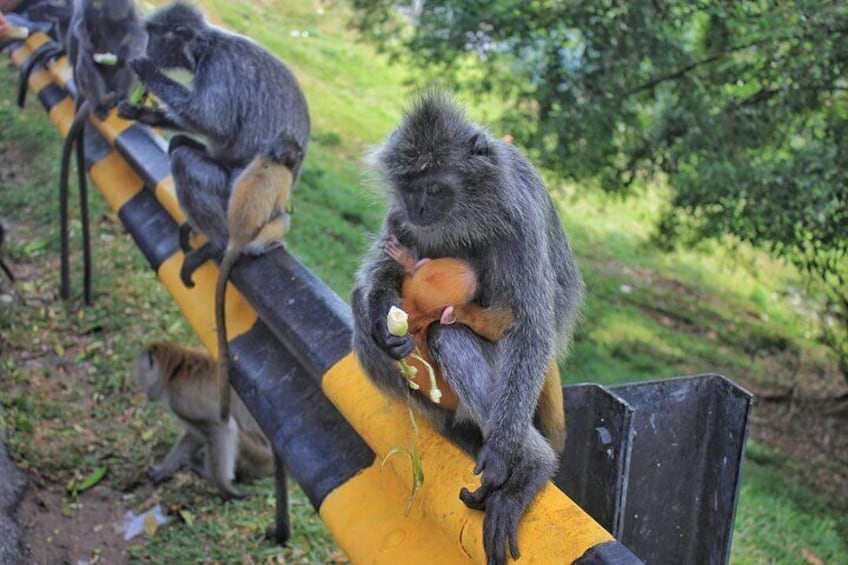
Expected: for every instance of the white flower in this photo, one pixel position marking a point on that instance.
(105, 58)
(397, 321)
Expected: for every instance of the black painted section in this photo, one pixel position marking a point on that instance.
(319, 448)
(307, 317)
(282, 523)
(685, 468)
(153, 230)
(594, 465)
(51, 95)
(146, 152)
(609, 553)
(96, 146)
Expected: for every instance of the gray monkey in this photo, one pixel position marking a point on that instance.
(3, 264)
(454, 191)
(102, 38)
(241, 97)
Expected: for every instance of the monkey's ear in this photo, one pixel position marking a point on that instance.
(480, 145)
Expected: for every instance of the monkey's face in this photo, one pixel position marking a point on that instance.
(428, 198)
(173, 36)
(147, 374)
(113, 27)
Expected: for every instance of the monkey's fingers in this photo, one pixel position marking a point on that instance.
(405, 256)
(500, 528)
(128, 111)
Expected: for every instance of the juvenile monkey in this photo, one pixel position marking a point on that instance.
(3, 264)
(240, 97)
(456, 191)
(102, 38)
(257, 221)
(218, 451)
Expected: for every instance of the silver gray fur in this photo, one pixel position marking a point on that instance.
(240, 97)
(95, 27)
(455, 191)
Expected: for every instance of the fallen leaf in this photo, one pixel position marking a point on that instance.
(150, 523)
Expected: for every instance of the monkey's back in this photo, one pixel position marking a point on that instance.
(261, 92)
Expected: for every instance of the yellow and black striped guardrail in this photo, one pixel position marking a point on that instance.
(292, 365)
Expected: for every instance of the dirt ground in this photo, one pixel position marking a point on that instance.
(91, 532)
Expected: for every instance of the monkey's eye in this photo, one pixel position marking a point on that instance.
(434, 190)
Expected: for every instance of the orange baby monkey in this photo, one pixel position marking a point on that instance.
(442, 290)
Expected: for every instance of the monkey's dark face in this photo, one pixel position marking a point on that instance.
(442, 170)
(428, 198)
(112, 27)
(174, 36)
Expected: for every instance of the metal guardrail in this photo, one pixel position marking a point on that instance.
(292, 366)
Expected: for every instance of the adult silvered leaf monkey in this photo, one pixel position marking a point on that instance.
(455, 191)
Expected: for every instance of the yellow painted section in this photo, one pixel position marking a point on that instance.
(554, 529)
(36, 40)
(112, 171)
(166, 194)
(20, 55)
(61, 70)
(112, 126)
(198, 303)
(62, 114)
(38, 79)
(366, 517)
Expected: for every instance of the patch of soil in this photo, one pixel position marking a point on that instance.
(87, 531)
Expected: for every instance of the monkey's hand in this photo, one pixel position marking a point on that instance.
(158, 473)
(129, 111)
(145, 68)
(396, 347)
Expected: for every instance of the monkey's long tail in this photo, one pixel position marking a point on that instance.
(7, 270)
(68, 145)
(551, 409)
(231, 255)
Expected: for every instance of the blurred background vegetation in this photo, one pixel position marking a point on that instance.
(695, 152)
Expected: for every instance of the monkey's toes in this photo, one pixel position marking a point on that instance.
(474, 500)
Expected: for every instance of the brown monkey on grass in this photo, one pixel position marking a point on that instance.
(235, 449)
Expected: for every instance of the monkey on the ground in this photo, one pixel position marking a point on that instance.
(257, 220)
(220, 452)
(457, 191)
(102, 38)
(3, 264)
(240, 97)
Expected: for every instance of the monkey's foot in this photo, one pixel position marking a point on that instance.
(495, 469)
(185, 236)
(181, 140)
(157, 474)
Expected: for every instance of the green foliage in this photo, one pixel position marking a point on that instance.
(740, 105)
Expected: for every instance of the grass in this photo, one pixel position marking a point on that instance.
(69, 405)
